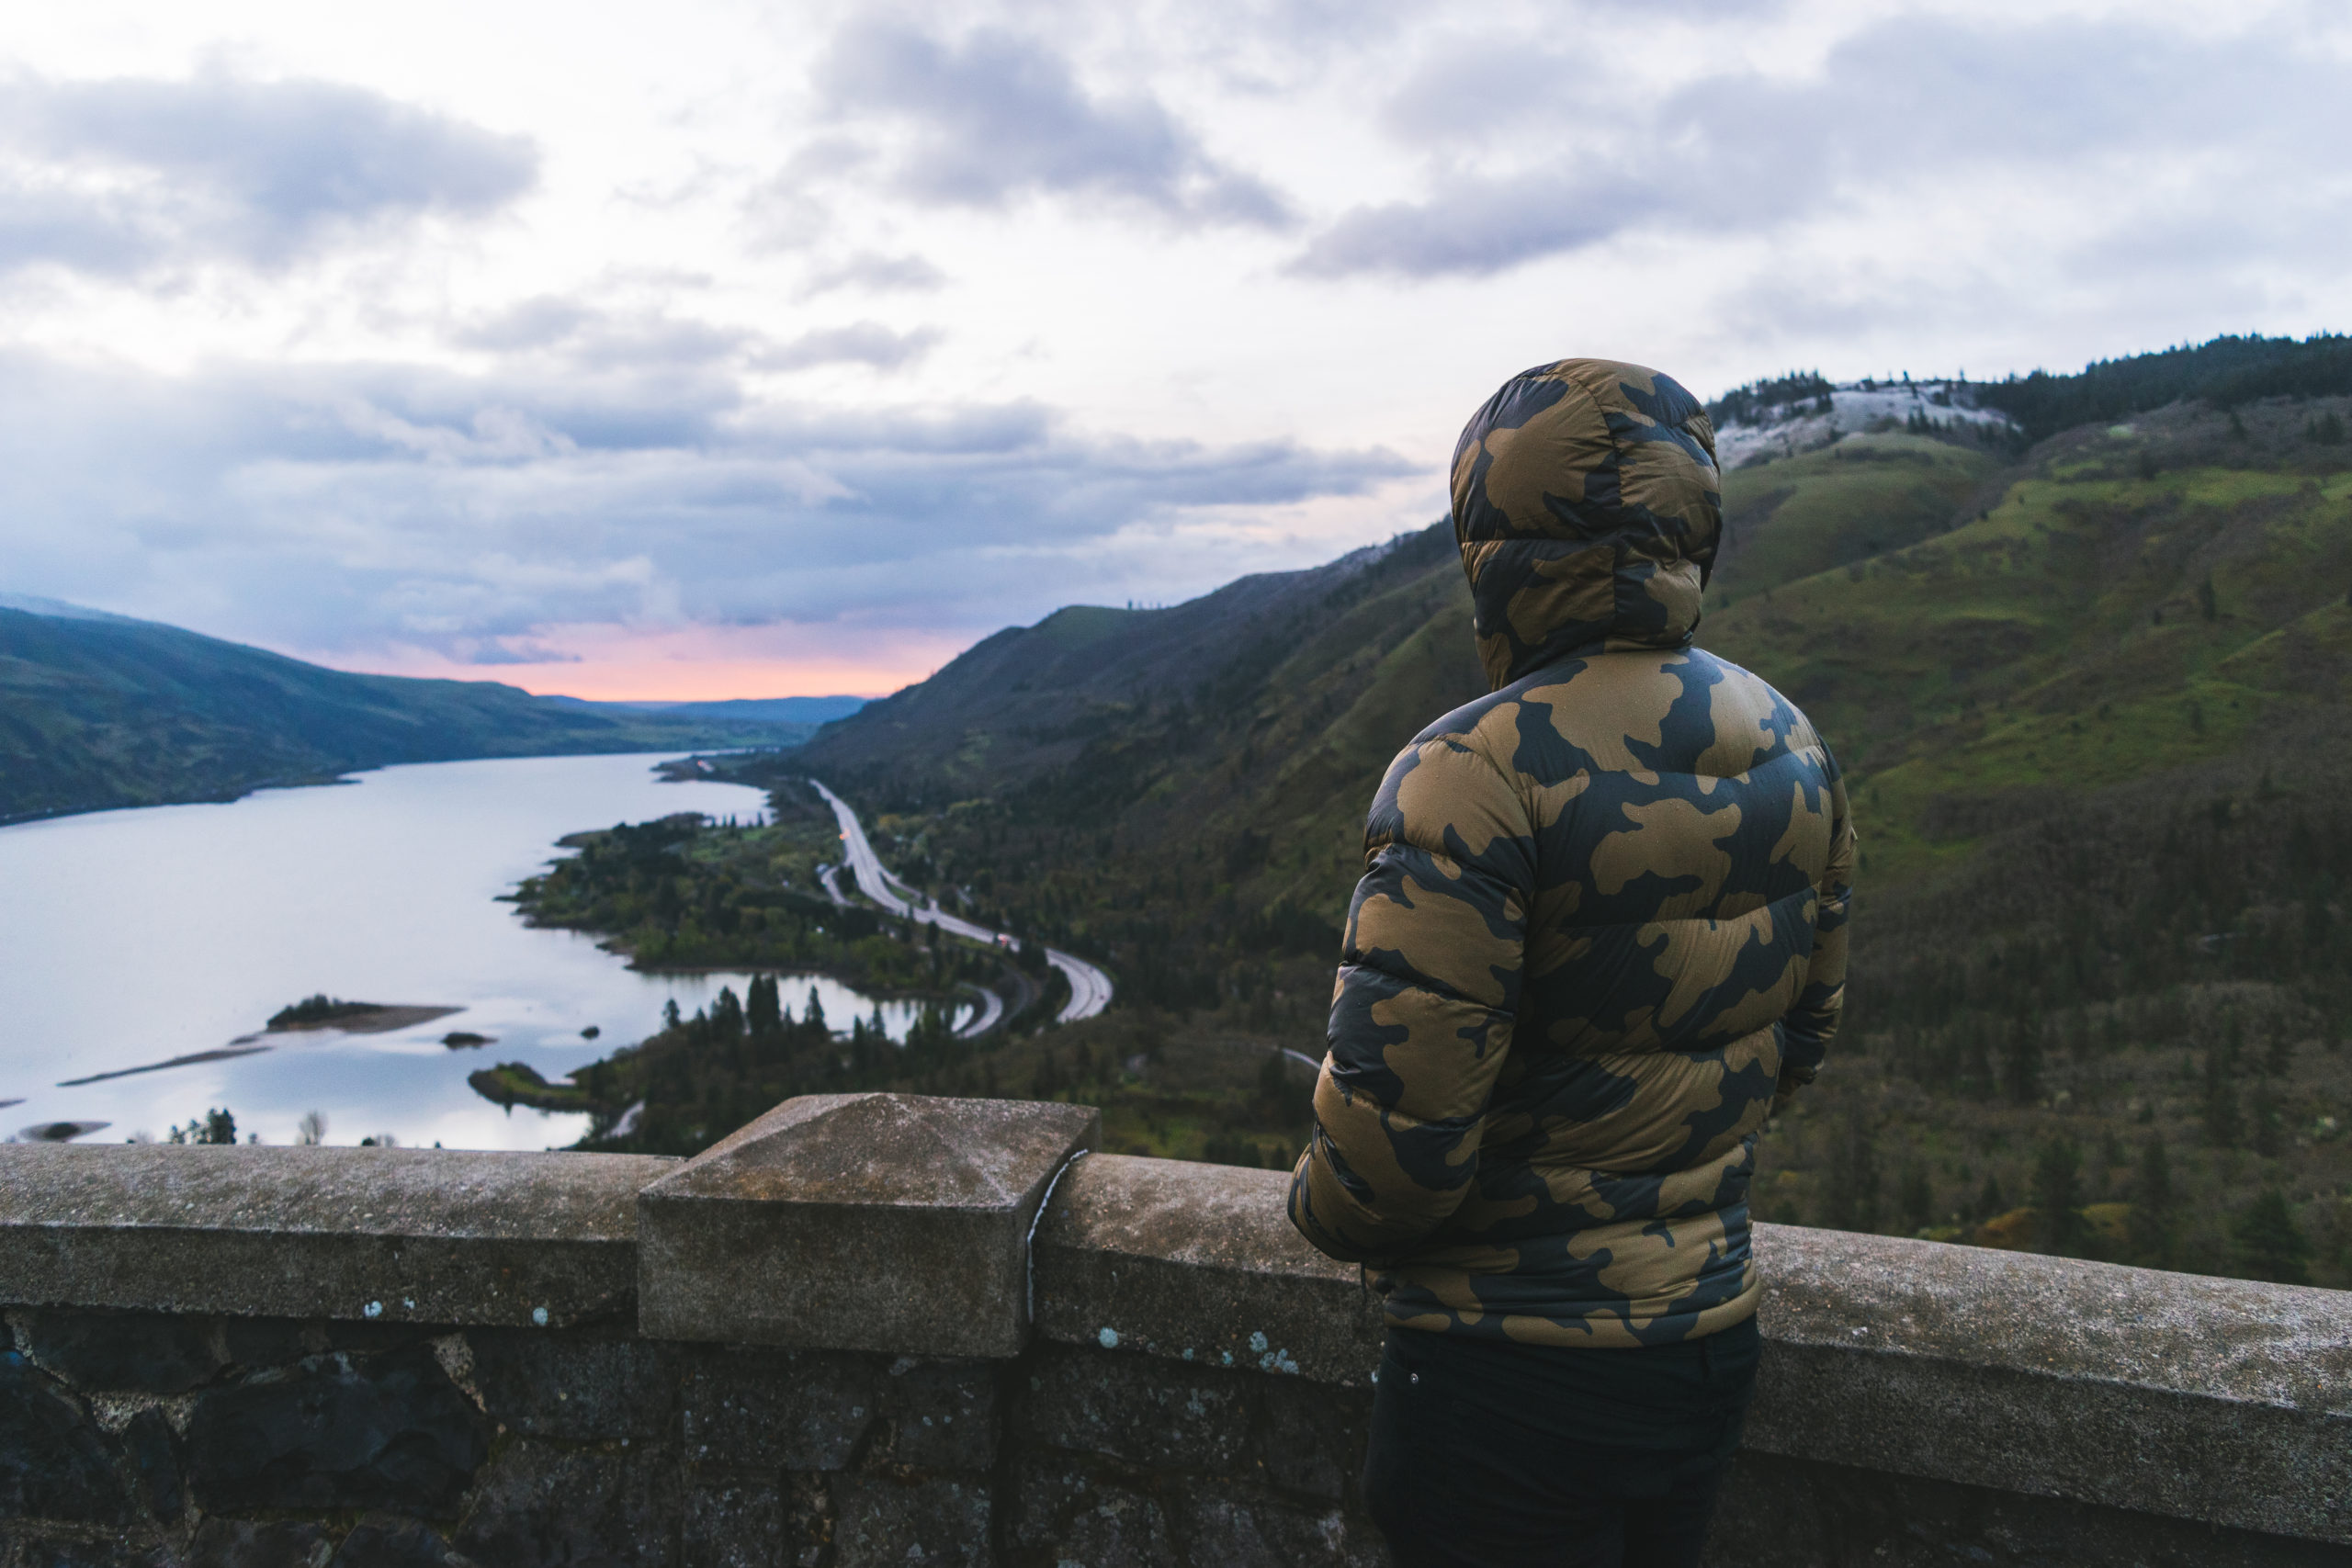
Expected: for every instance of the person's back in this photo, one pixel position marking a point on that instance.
(1600, 928)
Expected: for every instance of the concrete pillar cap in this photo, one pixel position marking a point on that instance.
(857, 1222)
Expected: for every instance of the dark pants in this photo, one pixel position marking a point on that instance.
(1486, 1454)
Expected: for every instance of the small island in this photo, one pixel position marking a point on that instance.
(320, 1011)
(511, 1084)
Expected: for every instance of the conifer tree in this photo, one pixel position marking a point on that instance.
(2058, 1226)
(2148, 1231)
(761, 1008)
(1853, 1189)
(2266, 1122)
(2269, 1244)
(2224, 1127)
(2023, 1060)
(1916, 1197)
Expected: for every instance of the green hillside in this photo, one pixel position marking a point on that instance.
(1866, 496)
(2137, 599)
(2092, 702)
(98, 712)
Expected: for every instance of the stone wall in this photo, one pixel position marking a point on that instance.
(879, 1329)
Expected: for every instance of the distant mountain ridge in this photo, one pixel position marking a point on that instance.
(808, 711)
(1030, 699)
(101, 711)
(1781, 415)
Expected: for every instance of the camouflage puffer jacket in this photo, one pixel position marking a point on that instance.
(1603, 915)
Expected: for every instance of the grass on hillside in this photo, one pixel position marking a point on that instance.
(2092, 712)
(1864, 496)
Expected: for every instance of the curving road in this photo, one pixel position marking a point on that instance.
(991, 1008)
(1090, 989)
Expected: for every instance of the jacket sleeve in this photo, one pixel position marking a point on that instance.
(1813, 1022)
(1421, 1015)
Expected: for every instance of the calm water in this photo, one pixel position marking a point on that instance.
(133, 937)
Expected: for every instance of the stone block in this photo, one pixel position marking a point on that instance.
(540, 1507)
(866, 1222)
(794, 1410)
(574, 1387)
(737, 1524)
(152, 1450)
(126, 1352)
(76, 1552)
(424, 1235)
(1247, 1527)
(943, 1414)
(1198, 1262)
(391, 1543)
(338, 1431)
(1782, 1513)
(54, 1463)
(808, 1521)
(2223, 1397)
(1146, 1412)
(368, 1339)
(886, 1518)
(1314, 1438)
(1068, 1510)
(253, 1342)
(260, 1543)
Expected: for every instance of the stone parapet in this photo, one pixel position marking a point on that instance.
(1198, 1263)
(2227, 1401)
(428, 1235)
(815, 1344)
(858, 1221)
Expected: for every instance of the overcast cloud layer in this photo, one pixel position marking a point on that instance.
(791, 352)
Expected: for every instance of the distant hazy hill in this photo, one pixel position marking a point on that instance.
(1031, 701)
(99, 711)
(805, 713)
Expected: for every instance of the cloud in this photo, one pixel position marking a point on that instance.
(862, 342)
(876, 274)
(1000, 117)
(114, 177)
(1905, 107)
(357, 508)
(588, 337)
(510, 650)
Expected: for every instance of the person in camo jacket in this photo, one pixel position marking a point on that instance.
(1601, 936)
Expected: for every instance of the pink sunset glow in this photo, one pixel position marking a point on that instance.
(698, 663)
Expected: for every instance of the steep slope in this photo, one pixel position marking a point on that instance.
(1031, 699)
(99, 711)
(2092, 700)
(2137, 598)
(1864, 496)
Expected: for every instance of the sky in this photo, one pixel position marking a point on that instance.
(718, 350)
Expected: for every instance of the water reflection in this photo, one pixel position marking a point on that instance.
(130, 938)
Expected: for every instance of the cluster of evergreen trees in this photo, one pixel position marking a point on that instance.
(1755, 400)
(2225, 371)
(706, 1074)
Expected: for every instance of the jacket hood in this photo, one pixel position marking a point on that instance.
(1587, 507)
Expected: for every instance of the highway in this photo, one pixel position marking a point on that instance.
(991, 1010)
(1090, 989)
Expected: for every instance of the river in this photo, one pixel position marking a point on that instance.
(133, 937)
